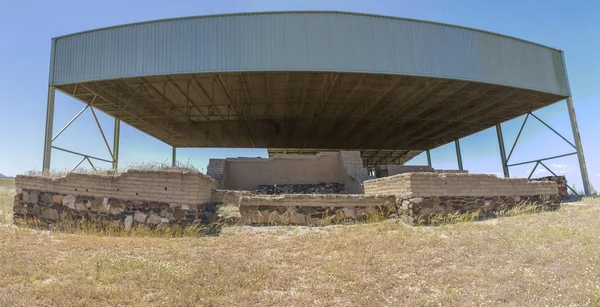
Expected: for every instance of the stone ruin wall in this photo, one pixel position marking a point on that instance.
(393, 169)
(344, 167)
(157, 198)
(215, 169)
(450, 184)
(412, 196)
(390, 170)
(163, 199)
(311, 209)
(421, 195)
(561, 181)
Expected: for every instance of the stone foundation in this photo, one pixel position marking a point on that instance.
(314, 210)
(451, 171)
(155, 198)
(53, 207)
(561, 181)
(162, 199)
(411, 185)
(421, 209)
(319, 188)
(320, 210)
(390, 170)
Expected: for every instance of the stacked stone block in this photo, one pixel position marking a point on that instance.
(216, 169)
(422, 195)
(151, 197)
(353, 164)
(51, 207)
(421, 209)
(228, 197)
(390, 170)
(313, 210)
(450, 184)
(319, 188)
(452, 171)
(561, 181)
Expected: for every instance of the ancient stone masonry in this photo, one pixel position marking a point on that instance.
(449, 184)
(319, 188)
(319, 210)
(390, 170)
(312, 209)
(451, 171)
(164, 186)
(151, 197)
(228, 197)
(52, 207)
(167, 198)
(422, 195)
(249, 173)
(561, 181)
(344, 167)
(215, 169)
(421, 209)
(352, 165)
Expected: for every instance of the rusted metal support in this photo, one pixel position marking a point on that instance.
(458, 155)
(502, 151)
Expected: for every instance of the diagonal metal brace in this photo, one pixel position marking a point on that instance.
(539, 160)
(103, 136)
(572, 190)
(517, 139)
(560, 135)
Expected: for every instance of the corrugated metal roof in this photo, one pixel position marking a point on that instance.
(306, 41)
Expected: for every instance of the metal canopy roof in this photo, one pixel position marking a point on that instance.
(317, 80)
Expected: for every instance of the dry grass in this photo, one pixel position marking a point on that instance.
(6, 183)
(144, 166)
(533, 259)
(590, 200)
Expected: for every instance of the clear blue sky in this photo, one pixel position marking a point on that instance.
(27, 26)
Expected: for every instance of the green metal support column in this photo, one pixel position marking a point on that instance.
(587, 188)
(502, 151)
(174, 157)
(428, 158)
(49, 128)
(116, 140)
(458, 155)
